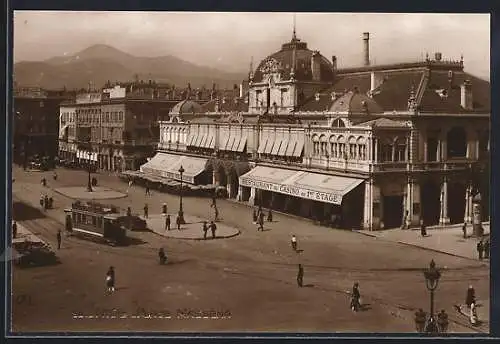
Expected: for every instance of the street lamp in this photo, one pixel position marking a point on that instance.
(432, 276)
(181, 212)
(89, 183)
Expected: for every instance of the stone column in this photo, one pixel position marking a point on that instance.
(443, 218)
(251, 200)
(229, 186)
(239, 196)
(214, 178)
(372, 206)
(468, 204)
(375, 148)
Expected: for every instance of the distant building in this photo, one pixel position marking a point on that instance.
(35, 122)
(371, 147)
(116, 128)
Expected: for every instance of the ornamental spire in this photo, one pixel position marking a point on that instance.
(294, 37)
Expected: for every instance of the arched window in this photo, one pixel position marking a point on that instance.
(323, 145)
(385, 150)
(457, 143)
(361, 142)
(400, 149)
(352, 147)
(341, 147)
(338, 123)
(315, 140)
(333, 146)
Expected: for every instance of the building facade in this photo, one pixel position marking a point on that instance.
(371, 147)
(116, 128)
(36, 122)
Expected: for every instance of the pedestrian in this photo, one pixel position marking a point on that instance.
(442, 321)
(59, 239)
(294, 242)
(129, 185)
(423, 230)
(129, 212)
(259, 211)
(355, 298)
(164, 209)
(44, 181)
(110, 279)
(167, 223)
(213, 228)
(420, 318)
(480, 248)
(403, 223)
(270, 216)
(464, 230)
(300, 276)
(178, 222)
(46, 201)
(254, 216)
(14, 230)
(147, 190)
(260, 226)
(470, 298)
(216, 214)
(486, 249)
(205, 230)
(41, 200)
(162, 256)
(55, 175)
(473, 315)
(146, 209)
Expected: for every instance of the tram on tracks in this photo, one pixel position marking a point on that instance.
(97, 222)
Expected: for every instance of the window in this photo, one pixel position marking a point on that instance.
(334, 149)
(352, 151)
(432, 148)
(400, 151)
(385, 152)
(457, 143)
(316, 148)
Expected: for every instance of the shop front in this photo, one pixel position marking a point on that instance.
(328, 199)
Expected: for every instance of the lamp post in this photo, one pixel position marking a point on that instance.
(181, 212)
(89, 183)
(432, 276)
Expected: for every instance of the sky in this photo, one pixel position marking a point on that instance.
(230, 40)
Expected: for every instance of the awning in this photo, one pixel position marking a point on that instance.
(290, 148)
(284, 145)
(159, 164)
(197, 142)
(270, 144)
(203, 140)
(230, 142)
(212, 142)
(276, 147)
(263, 143)
(190, 139)
(241, 145)
(297, 152)
(224, 137)
(192, 167)
(208, 141)
(306, 185)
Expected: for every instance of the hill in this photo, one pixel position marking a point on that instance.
(100, 63)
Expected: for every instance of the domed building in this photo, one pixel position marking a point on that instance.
(186, 107)
(288, 77)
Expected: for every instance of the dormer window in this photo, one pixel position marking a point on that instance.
(316, 96)
(442, 93)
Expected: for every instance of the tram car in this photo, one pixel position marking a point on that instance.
(95, 221)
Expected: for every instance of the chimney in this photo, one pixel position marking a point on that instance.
(376, 79)
(466, 100)
(450, 79)
(315, 66)
(241, 90)
(438, 56)
(366, 48)
(334, 63)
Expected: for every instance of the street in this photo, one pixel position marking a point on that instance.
(243, 283)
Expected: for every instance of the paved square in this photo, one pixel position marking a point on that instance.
(98, 193)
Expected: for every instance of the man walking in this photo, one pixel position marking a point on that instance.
(14, 230)
(59, 239)
(110, 279)
(480, 248)
(167, 222)
(486, 249)
(213, 227)
(178, 222)
(294, 242)
(164, 209)
(423, 230)
(147, 190)
(260, 225)
(464, 230)
(270, 216)
(300, 276)
(470, 297)
(129, 185)
(146, 209)
(205, 230)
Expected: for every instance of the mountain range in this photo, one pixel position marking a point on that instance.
(99, 63)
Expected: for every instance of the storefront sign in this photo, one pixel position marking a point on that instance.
(291, 190)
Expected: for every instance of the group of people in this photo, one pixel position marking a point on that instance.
(46, 202)
(483, 249)
(258, 217)
(212, 226)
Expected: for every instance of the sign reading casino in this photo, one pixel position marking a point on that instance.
(291, 190)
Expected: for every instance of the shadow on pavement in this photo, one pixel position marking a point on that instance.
(25, 212)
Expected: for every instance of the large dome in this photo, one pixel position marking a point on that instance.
(303, 71)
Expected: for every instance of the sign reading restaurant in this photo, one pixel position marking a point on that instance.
(291, 190)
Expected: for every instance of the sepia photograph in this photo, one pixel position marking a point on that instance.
(250, 172)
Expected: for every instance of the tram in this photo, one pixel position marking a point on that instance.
(91, 220)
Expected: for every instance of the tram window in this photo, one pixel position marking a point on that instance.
(94, 221)
(99, 222)
(89, 219)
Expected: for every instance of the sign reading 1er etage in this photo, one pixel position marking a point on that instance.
(329, 197)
